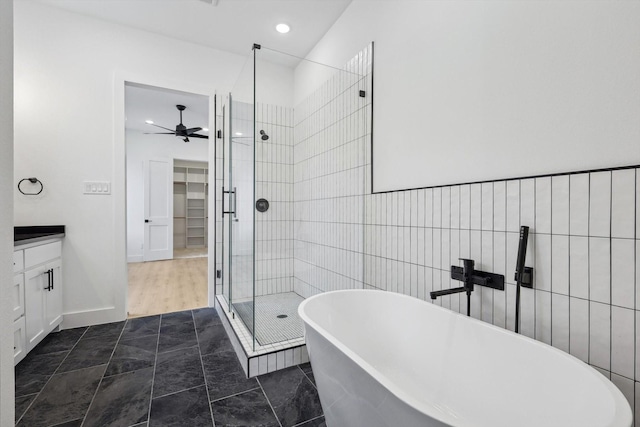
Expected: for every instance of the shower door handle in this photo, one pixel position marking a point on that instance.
(223, 193)
(234, 201)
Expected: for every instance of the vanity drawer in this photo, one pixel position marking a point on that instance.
(43, 253)
(18, 261)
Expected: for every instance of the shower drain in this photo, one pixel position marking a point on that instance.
(282, 316)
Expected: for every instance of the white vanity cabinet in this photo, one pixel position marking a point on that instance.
(41, 296)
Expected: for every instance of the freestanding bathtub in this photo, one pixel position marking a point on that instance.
(385, 359)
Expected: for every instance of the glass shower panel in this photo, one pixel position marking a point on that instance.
(226, 204)
(310, 169)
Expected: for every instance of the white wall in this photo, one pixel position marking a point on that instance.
(141, 147)
(68, 73)
(7, 402)
(469, 91)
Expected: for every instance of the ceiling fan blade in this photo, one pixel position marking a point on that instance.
(159, 133)
(195, 135)
(192, 130)
(161, 127)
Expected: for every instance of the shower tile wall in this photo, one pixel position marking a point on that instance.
(274, 182)
(330, 166)
(584, 247)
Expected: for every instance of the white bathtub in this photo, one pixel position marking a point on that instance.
(385, 359)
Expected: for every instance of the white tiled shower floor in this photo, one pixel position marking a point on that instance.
(270, 328)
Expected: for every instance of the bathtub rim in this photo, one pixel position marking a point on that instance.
(623, 415)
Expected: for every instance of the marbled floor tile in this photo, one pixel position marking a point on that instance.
(33, 372)
(305, 367)
(66, 397)
(206, 317)
(59, 341)
(89, 352)
(312, 378)
(174, 337)
(112, 330)
(292, 396)
(186, 408)
(318, 422)
(22, 403)
(212, 338)
(72, 423)
(121, 400)
(177, 318)
(225, 375)
(133, 354)
(145, 424)
(246, 409)
(177, 370)
(141, 326)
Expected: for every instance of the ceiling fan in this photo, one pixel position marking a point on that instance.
(181, 130)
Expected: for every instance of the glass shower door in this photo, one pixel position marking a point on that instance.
(241, 221)
(238, 219)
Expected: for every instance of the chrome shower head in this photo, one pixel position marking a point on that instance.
(264, 136)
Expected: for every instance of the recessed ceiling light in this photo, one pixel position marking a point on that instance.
(205, 129)
(282, 28)
(149, 122)
(238, 133)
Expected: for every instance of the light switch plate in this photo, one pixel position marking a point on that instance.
(97, 187)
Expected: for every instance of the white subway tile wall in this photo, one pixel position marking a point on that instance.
(329, 170)
(274, 182)
(583, 245)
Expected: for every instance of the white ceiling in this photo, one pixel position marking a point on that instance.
(158, 104)
(231, 25)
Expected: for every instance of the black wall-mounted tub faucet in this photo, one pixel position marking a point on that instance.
(468, 275)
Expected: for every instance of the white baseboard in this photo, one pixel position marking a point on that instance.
(92, 317)
(137, 258)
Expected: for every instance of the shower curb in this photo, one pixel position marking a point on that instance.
(264, 363)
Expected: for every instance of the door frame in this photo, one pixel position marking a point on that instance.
(119, 186)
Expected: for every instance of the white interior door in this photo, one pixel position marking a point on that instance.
(158, 209)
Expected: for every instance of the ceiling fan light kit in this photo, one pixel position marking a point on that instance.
(181, 130)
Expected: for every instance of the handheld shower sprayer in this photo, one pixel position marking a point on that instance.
(520, 270)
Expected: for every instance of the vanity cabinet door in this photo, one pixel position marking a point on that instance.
(53, 296)
(17, 296)
(19, 341)
(35, 282)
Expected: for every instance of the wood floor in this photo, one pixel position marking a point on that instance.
(167, 286)
(189, 252)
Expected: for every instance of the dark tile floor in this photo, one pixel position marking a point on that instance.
(178, 369)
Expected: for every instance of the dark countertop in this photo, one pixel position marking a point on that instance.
(23, 235)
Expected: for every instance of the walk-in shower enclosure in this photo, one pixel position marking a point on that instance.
(291, 203)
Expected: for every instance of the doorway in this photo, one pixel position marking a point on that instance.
(167, 170)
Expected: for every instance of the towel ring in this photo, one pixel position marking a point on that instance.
(33, 181)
